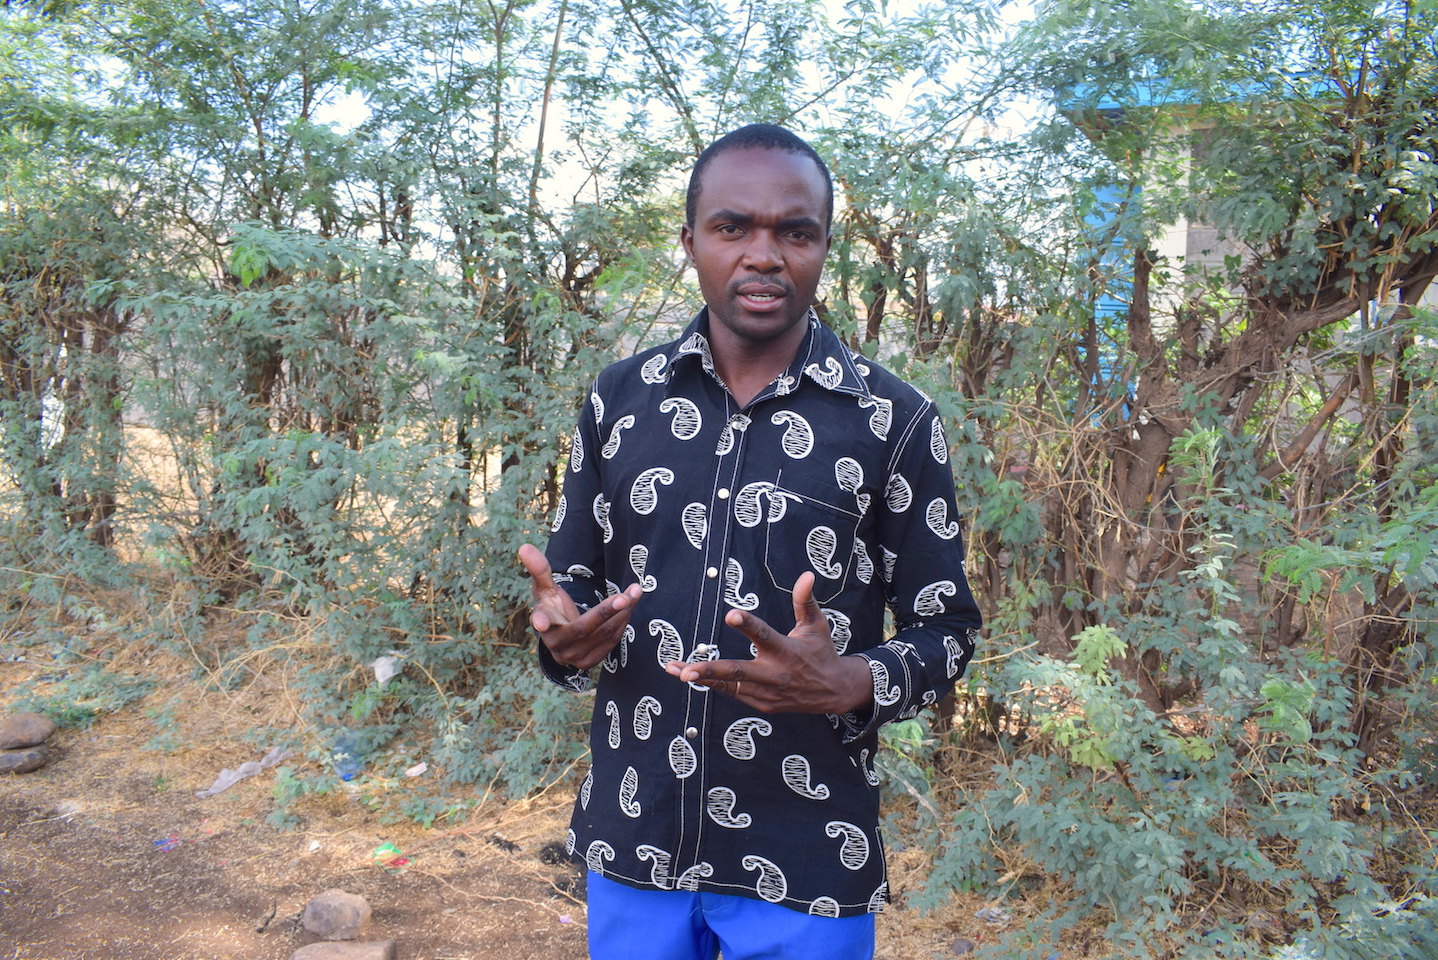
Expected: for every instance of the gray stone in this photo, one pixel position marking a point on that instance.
(25, 730)
(961, 947)
(336, 915)
(374, 950)
(24, 759)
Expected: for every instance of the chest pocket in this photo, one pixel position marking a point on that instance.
(807, 529)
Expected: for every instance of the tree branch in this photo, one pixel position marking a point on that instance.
(1294, 451)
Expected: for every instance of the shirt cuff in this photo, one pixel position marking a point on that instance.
(892, 695)
(570, 678)
(857, 724)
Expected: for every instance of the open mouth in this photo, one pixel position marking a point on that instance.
(761, 296)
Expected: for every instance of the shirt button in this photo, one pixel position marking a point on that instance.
(691, 732)
(712, 572)
(723, 493)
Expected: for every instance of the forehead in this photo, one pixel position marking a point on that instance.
(762, 180)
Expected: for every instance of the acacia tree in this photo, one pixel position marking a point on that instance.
(1221, 503)
(1308, 157)
(64, 240)
(366, 341)
(227, 104)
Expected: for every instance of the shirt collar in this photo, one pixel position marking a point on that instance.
(822, 357)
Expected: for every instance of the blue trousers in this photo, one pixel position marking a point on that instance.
(630, 924)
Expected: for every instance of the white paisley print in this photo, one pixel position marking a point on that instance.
(837, 468)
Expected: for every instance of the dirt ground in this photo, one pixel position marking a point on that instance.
(105, 857)
(107, 854)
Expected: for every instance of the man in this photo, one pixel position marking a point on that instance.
(739, 507)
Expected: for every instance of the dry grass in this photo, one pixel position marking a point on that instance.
(129, 779)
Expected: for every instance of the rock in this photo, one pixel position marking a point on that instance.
(336, 915)
(961, 947)
(374, 950)
(24, 759)
(25, 730)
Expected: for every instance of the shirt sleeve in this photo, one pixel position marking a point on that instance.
(922, 545)
(576, 542)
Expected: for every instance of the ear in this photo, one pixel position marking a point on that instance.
(686, 240)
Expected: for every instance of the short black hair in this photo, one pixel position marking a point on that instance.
(757, 136)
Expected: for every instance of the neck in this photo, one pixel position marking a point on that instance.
(747, 367)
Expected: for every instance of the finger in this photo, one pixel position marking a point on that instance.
(764, 636)
(537, 565)
(583, 640)
(620, 604)
(806, 608)
(548, 605)
(724, 675)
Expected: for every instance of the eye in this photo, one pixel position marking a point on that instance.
(727, 229)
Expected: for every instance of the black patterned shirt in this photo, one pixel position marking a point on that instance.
(837, 467)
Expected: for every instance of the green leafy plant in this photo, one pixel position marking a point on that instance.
(317, 369)
(77, 699)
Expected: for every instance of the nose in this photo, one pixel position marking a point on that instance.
(762, 254)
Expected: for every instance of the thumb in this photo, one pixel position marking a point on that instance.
(806, 608)
(538, 568)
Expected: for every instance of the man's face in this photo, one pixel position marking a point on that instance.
(758, 244)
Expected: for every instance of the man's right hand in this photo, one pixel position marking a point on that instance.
(574, 639)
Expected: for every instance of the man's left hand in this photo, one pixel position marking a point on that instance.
(797, 672)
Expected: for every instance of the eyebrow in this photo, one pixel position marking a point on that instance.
(746, 219)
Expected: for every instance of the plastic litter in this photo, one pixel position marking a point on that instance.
(418, 770)
(348, 762)
(386, 667)
(566, 918)
(994, 915)
(228, 778)
(388, 856)
(168, 842)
